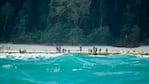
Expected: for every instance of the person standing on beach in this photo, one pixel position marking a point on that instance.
(94, 50)
(68, 50)
(106, 51)
(58, 49)
(80, 48)
(90, 51)
(100, 51)
(63, 50)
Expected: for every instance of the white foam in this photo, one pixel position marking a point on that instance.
(28, 56)
(55, 70)
(145, 56)
(97, 55)
(119, 55)
(74, 70)
(113, 73)
(6, 66)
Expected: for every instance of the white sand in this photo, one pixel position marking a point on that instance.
(4, 46)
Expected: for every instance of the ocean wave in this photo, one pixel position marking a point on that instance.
(28, 56)
(46, 56)
(72, 68)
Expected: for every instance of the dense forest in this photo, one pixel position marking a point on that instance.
(75, 22)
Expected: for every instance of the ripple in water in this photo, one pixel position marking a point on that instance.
(73, 69)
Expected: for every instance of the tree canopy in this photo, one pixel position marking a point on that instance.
(75, 22)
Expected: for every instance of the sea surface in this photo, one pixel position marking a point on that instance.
(73, 69)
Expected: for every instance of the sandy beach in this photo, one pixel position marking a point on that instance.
(33, 48)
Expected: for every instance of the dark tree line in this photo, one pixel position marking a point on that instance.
(74, 22)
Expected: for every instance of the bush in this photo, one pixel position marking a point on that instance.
(100, 36)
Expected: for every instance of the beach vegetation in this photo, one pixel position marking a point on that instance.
(75, 22)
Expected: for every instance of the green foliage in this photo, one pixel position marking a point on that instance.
(37, 37)
(20, 33)
(22, 22)
(75, 22)
(68, 10)
(75, 36)
(62, 34)
(135, 34)
(7, 9)
(130, 35)
(100, 36)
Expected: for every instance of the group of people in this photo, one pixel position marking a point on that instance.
(95, 51)
(60, 50)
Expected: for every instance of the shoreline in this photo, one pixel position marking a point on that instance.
(101, 50)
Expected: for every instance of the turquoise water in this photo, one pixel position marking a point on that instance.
(73, 69)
